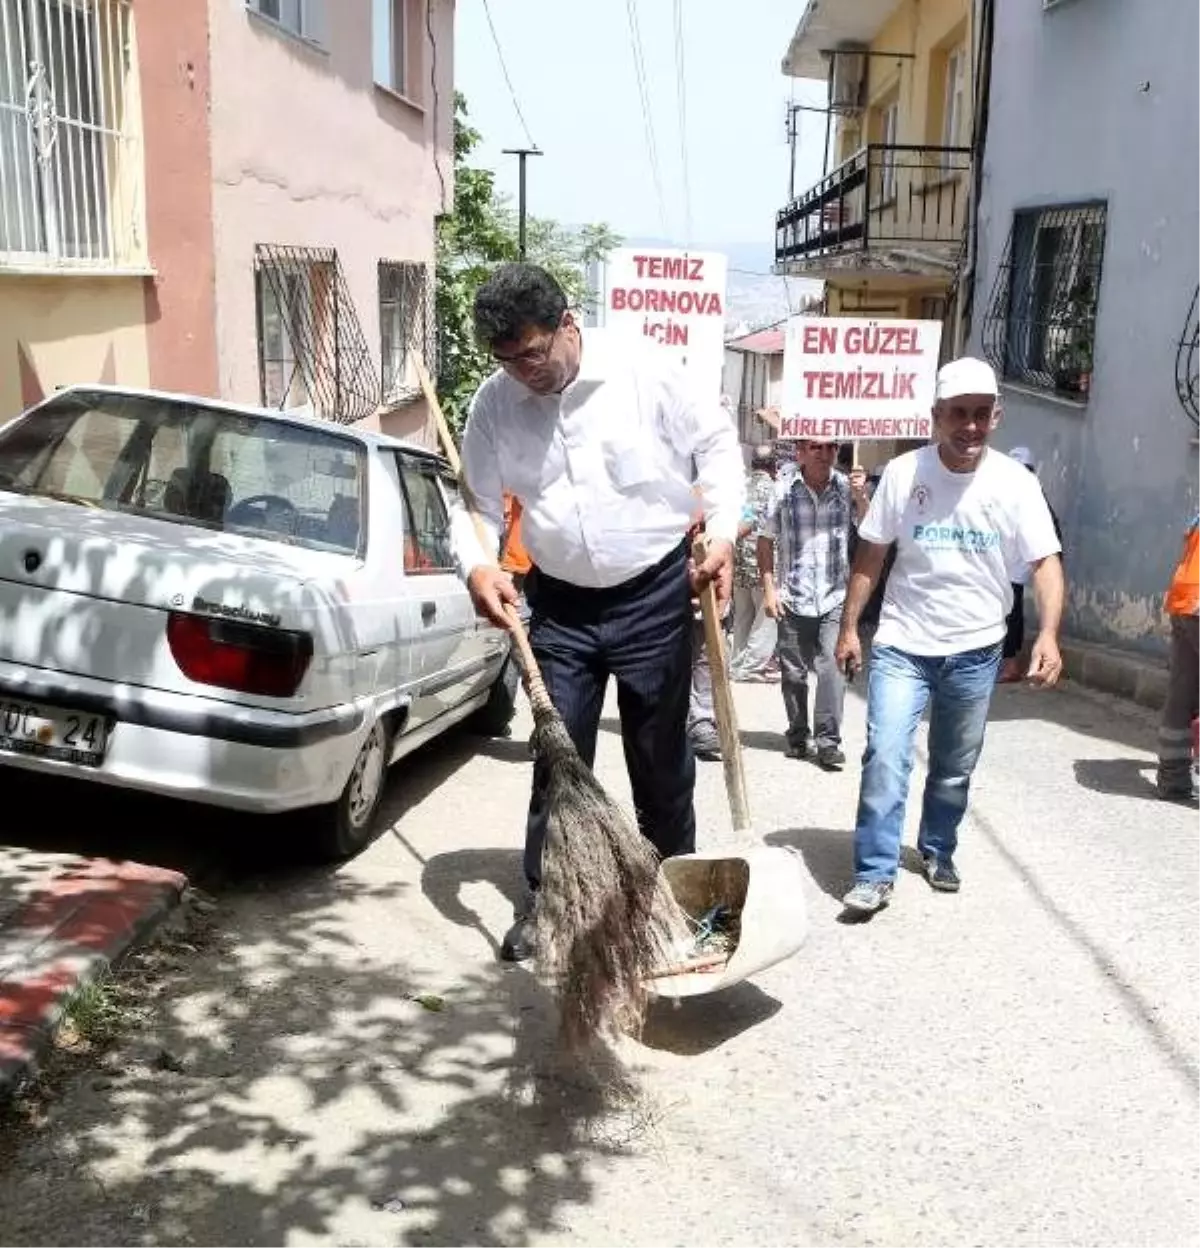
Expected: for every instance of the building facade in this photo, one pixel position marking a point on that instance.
(886, 225)
(1085, 295)
(752, 385)
(234, 198)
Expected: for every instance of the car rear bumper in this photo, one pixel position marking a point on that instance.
(198, 748)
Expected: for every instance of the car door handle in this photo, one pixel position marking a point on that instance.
(428, 611)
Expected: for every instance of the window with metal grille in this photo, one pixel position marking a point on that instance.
(70, 135)
(406, 323)
(1040, 325)
(303, 18)
(1187, 364)
(311, 348)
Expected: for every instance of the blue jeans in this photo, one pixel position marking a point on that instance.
(899, 687)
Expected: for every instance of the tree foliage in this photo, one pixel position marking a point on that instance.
(481, 233)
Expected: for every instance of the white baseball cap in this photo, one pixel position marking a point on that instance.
(965, 376)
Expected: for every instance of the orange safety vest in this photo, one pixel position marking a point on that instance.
(1183, 597)
(515, 558)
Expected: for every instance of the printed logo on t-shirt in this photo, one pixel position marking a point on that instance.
(920, 496)
(954, 537)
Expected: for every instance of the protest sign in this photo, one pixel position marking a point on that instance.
(850, 380)
(674, 298)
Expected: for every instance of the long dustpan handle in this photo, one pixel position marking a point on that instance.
(727, 729)
(535, 686)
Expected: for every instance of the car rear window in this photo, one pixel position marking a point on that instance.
(191, 464)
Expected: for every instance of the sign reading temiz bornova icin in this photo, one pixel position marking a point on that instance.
(850, 380)
(676, 299)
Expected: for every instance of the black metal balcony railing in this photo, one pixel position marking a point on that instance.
(884, 196)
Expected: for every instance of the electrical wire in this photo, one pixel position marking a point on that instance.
(504, 70)
(639, 67)
(681, 92)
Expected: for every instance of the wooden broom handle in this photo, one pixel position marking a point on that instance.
(727, 729)
(534, 683)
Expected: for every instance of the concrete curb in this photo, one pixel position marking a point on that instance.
(1139, 678)
(83, 921)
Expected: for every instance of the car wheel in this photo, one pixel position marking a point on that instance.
(345, 827)
(496, 715)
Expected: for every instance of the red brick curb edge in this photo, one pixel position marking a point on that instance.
(85, 920)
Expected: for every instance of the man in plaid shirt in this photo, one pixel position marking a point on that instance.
(811, 519)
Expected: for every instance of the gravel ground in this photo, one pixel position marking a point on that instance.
(338, 1058)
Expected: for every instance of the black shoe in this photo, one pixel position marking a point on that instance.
(518, 943)
(798, 751)
(831, 758)
(941, 875)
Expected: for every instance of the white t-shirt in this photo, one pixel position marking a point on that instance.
(961, 538)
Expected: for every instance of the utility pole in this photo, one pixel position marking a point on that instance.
(521, 153)
(792, 132)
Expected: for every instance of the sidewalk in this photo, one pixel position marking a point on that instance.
(63, 919)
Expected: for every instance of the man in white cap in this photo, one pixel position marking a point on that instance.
(961, 516)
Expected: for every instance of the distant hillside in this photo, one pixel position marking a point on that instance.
(753, 296)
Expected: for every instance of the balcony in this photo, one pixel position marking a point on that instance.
(891, 208)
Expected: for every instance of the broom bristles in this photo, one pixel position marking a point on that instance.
(604, 917)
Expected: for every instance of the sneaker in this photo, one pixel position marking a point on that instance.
(830, 758)
(798, 751)
(868, 895)
(941, 875)
(707, 745)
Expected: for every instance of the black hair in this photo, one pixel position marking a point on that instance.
(512, 299)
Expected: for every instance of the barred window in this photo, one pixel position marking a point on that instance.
(1040, 325)
(70, 140)
(406, 322)
(311, 348)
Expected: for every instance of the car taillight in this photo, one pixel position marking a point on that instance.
(245, 657)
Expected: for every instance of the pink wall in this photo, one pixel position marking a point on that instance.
(172, 44)
(308, 151)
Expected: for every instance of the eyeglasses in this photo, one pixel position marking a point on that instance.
(532, 357)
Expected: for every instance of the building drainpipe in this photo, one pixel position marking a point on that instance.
(983, 16)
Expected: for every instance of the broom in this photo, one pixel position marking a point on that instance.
(605, 919)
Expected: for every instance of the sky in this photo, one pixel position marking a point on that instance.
(572, 68)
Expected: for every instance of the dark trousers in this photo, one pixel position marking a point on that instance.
(640, 633)
(1014, 637)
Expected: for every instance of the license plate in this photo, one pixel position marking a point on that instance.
(52, 732)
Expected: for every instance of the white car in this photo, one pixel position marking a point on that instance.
(230, 605)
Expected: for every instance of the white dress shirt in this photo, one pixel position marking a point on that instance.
(608, 471)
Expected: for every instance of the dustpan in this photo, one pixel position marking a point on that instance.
(762, 884)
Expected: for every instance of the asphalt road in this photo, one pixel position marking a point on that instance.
(349, 1064)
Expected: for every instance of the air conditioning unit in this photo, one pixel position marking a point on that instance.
(849, 79)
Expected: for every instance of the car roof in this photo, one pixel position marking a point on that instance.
(369, 437)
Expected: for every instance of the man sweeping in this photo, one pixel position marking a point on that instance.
(603, 444)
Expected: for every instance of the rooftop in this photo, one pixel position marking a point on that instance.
(827, 24)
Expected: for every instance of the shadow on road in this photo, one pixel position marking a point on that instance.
(1120, 777)
(310, 1091)
(689, 1026)
(444, 875)
(828, 854)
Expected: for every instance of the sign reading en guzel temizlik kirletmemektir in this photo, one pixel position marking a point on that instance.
(675, 299)
(849, 380)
